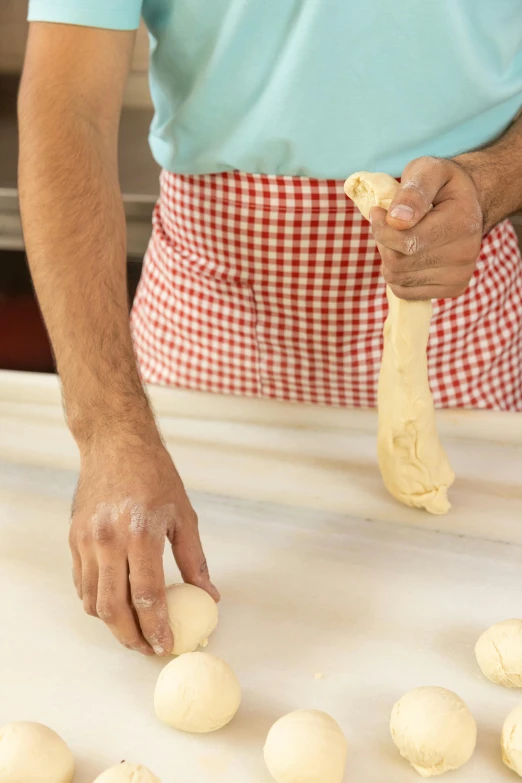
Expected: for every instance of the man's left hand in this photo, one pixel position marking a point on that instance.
(430, 237)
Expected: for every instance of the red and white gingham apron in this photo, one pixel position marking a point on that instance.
(270, 286)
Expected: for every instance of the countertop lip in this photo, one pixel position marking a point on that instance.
(21, 390)
(304, 456)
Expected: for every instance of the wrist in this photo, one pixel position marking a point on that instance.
(98, 424)
(481, 170)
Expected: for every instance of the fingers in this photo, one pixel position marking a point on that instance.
(89, 584)
(423, 293)
(114, 605)
(446, 272)
(76, 567)
(453, 277)
(421, 181)
(117, 551)
(435, 282)
(189, 555)
(148, 591)
(101, 576)
(440, 227)
(434, 254)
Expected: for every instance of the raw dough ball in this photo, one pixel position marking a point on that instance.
(512, 741)
(197, 692)
(306, 746)
(499, 653)
(33, 753)
(127, 773)
(193, 615)
(434, 730)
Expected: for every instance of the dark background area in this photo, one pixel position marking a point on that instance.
(23, 339)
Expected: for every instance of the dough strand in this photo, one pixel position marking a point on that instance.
(413, 463)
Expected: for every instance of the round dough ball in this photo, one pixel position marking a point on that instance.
(197, 692)
(306, 746)
(193, 615)
(127, 773)
(512, 741)
(434, 730)
(33, 753)
(499, 653)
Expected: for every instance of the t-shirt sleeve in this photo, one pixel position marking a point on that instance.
(110, 14)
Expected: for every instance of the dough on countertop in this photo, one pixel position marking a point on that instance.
(306, 746)
(127, 773)
(197, 692)
(34, 753)
(511, 742)
(499, 653)
(413, 463)
(193, 616)
(434, 730)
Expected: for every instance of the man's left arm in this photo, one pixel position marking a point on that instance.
(431, 236)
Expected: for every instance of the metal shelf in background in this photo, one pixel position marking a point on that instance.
(138, 173)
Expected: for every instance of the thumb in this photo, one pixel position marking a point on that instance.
(421, 181)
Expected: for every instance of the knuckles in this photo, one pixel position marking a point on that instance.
(402, 279)
(411, 245)
(405, 243)
(392, 260)
(103, 531)
(108, 612)
(144, 598)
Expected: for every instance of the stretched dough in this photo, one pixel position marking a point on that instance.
(413, 463)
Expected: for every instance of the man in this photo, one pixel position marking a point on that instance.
(261, 279)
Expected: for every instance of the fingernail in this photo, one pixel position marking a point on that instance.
(159, 650)
(402, 212)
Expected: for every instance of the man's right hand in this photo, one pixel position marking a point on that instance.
(129, 499)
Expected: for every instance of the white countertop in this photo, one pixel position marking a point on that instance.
(318, 568)
(297, 455)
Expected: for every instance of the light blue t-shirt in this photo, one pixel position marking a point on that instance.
(318, 87)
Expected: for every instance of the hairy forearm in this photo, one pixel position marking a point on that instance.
(74, 229)
(497, 173)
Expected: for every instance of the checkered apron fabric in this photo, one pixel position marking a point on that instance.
(268, 286)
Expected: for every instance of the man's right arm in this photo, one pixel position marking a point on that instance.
(74, 226)
(129, 495)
